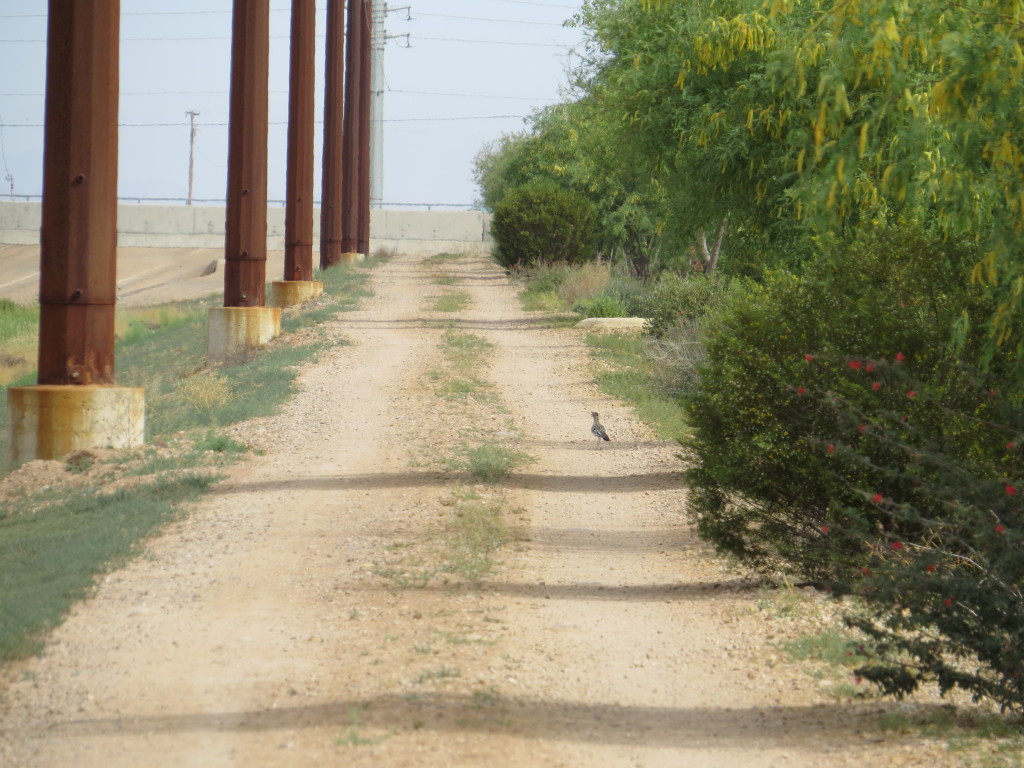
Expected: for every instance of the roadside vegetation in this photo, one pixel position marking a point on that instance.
(818, 208)
(95, 510)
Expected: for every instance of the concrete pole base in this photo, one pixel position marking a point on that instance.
(236, 331)
(50, 421)
(288, 293)
(352, 258)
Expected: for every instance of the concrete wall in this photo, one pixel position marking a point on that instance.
(184, 226)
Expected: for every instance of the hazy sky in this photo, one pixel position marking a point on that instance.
(472, 70)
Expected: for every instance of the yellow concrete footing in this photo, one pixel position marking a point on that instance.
(352, 258)
(236, 331)
(288, 293)
(49, 421)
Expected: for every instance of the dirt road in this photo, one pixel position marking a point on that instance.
(294, 618)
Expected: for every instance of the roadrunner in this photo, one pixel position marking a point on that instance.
(597, 430)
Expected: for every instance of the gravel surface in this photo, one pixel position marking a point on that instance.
(302, 616)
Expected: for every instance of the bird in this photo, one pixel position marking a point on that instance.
(597, 430)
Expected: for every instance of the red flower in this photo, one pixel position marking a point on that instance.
(994, 392)
(857, 680)
(947, 602)
(876, 386)
(855, 365)
(870, 367)
(911, 394)
(1011, 446)
(808, 357)
(897, 545)
(801, 391)
(899, 357)
(862, 428)
(877, 498)
(1011, 490)
(825, 529)
(831, 449)
(865, 571)
(1000, 529)
(930, 568)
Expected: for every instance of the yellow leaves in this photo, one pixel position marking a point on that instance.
(862, 142)
(840, 167)
(819, 126)
(800, 160)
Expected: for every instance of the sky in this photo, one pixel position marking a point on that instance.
(458, 74)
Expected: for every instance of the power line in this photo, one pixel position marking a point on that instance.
(492, 42)
(498, 21)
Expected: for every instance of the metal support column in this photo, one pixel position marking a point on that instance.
(298, 214)
(355, 231)
(245, 242)
(331, 177)
(78, 254)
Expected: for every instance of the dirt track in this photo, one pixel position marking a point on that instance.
(273, 628)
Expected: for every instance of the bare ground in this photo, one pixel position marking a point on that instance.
(299, 616)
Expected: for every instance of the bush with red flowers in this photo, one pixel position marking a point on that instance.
(842, 434)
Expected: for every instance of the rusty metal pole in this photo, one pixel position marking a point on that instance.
(245, 241)
(332, 174)
(356, 105)
(366, 57)
(78, 240)
(298, 213)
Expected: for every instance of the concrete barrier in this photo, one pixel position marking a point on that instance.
(192, 226)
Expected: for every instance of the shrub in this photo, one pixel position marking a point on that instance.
(840, 435)
(601, 305)
(584, 282)
(938, 525)
(759, 492)
(541, 222)
(676, 301)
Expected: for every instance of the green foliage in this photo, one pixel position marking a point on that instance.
(834, 438)
(541, 222)
(759, 492)
(601, 305)
(675, 302)
(489, 462)
(17, 319)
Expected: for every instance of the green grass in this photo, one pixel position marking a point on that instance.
(474, 534)
(489, 462)
(455, 301)
(17, 321)
(50, 557)
(629, 375)
(442, 258)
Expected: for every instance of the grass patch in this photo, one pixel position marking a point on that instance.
(488, 462)
(476, 531)
(446, 280)
(464, 354)
(455, 301)
(629, 374)
(50, 558)
(442, 258)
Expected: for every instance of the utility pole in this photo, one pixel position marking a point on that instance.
(245, 240)
(377, 107)
(355, 227)
(331, 176)
(74, 405)
(192, 114)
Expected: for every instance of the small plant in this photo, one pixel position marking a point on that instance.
(450, 302)
(489, 462)
(441, 673)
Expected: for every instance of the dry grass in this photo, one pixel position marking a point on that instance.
(585, 282)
